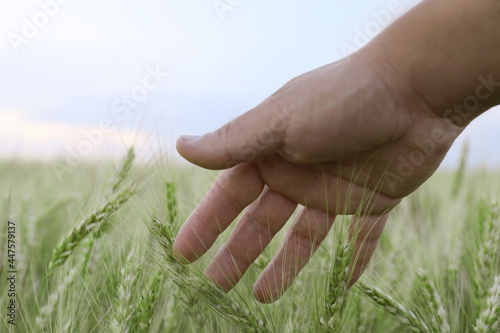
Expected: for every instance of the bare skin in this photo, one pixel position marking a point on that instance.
(350, 138)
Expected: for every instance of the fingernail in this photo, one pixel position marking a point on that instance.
(188, 137)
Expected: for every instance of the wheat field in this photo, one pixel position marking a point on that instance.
(93, 254)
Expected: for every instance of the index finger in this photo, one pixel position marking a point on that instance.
(231, 192)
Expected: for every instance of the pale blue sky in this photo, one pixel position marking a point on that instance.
(66, 78)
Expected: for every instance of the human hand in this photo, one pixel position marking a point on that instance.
(343, 139)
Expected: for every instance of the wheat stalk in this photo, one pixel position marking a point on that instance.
(489, 319)
(165, 236)
(218, 301)
(144, 309)
(192, 287)
(404, 316)
(91, 224)
(96, 221)
(43, 319)
(87, 253)
(121, 318)
(171, 200)
(432, 305)
(484, 261)
(337, 287)
(122, 174)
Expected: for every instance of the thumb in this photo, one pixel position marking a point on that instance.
(255, 133)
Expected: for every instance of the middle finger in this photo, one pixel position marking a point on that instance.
(253, 232)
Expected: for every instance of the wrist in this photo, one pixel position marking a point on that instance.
(446, 52)
(427, 119)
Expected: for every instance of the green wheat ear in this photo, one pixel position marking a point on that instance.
(43, 320)
(489, 319)
(124, 171)
(485, 259)
(397, 310)
(122, 312)
(165, 232)
(171, 202)
(144, 309)
(430, 303)
(94, 223)
(336, 293)
(192, 284)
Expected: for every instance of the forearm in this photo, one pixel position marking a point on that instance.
(448, 51)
